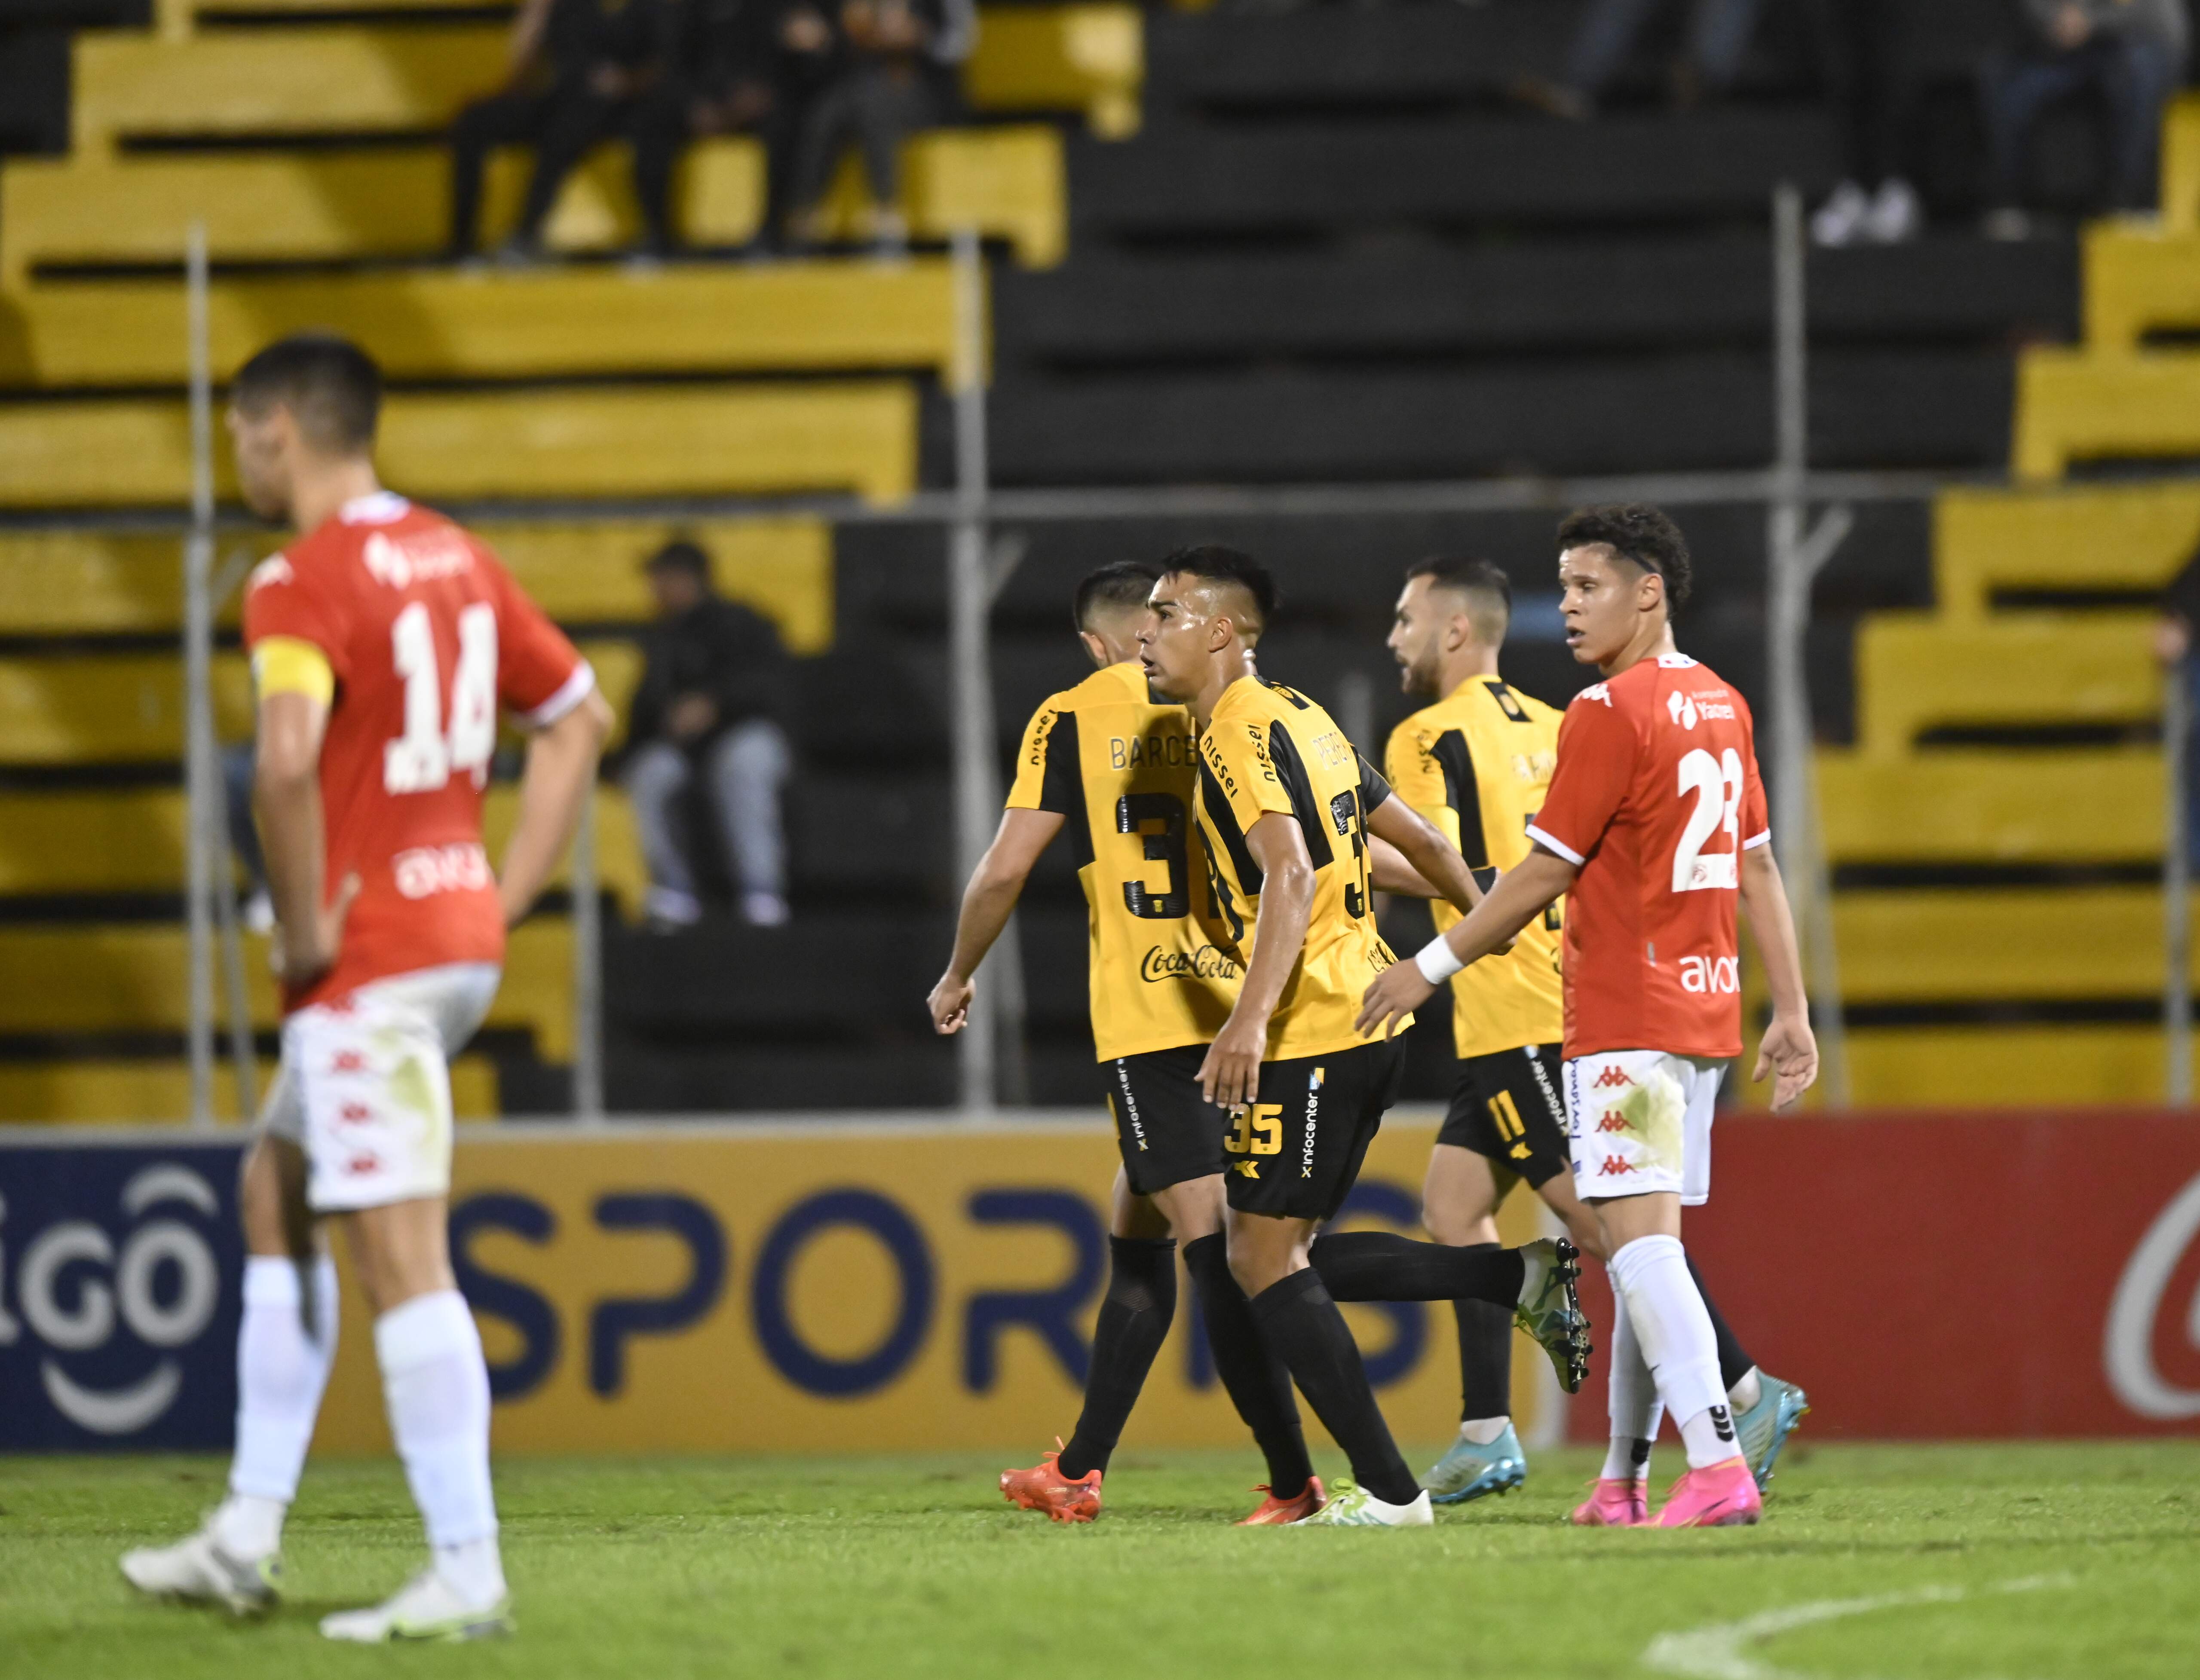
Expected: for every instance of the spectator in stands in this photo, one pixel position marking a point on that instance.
(896, 77)
(2130, 52)
(1860, 47)
(579, 71)
(1719, 32)
(714, 678)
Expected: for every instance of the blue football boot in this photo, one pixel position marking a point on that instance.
(1763, 1428)
(1469, 1472)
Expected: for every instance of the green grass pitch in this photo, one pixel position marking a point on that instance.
(2019, 1562)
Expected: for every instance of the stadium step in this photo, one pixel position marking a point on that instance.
(856, 435)
(1990, 945)
(78, 582)
(1917, 671)
(115, 978)
(2004, 1065)
(2076, 407)
(444, 325)
(2140, 278)
(2119, 540)
(158, 1089)
(1960, 805)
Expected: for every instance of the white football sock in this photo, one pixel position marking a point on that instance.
(1677, 1341)
(436, 1384)
(1481, 1431)
(281, 1372)
(1745, 1394)
(1630, 1399)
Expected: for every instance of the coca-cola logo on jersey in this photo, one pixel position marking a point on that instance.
(2161, 1282)
(400, 562)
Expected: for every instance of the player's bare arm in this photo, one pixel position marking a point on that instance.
(1422, 844)
(561, 772)
(1230, 1074)
(1388, 870)
(1789, 1051)
(987, 903)
(1522, 894)
(286, 795)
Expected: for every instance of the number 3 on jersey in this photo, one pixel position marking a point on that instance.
(1717, 784)
(425, 757)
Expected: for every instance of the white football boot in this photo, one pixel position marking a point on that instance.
(1351, 1505)
(427, 1608)
(197, 1571)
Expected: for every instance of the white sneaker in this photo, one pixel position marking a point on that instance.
(1351, 1505)
(764, 910)
(2008, 226)
(197, 1571)
(1896, 216)
(1841, 219)
(427, 1608)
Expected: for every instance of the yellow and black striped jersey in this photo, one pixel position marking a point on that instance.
(1270, 749)
(1122, 769)
(1476, 764)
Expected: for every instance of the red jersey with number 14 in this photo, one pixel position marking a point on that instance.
(1656, 796)
(427, 636)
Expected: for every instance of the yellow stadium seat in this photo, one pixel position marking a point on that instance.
(2125, 538)
(158, 1089)
(118, 978)
(733, 439)
(1933, 946)
(109, 708)
(2139, 278)
(2073, 406)
(1055, 58)
(78, 582)
(2006, 1065)
(2180, 165)
(130, 840)
(1977, 805)
(1917, 670)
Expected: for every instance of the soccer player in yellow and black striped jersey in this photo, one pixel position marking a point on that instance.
(1115, 768)
(1288, 811)
(1476, 764)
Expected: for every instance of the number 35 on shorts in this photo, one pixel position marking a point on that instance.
(1258, 1130)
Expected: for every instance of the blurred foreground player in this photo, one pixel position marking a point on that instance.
(1286, 807)
(1655, 823)
(383, 642)
(1477, 763)
(1118, 770)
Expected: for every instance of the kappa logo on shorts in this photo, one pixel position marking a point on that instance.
(359, 1165)
(1616, 1166)
(348, 1062)
(1614, 1120)
(1611, 1078)
(356, 1111)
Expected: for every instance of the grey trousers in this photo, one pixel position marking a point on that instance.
(1718, 35)
(743, 770)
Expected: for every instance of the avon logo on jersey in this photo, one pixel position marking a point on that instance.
(1711, 975)
(426, 871)
(430, 555)
(1205, 963)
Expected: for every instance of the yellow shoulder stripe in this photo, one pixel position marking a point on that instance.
(287, 664)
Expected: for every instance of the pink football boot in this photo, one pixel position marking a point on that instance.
(1617, 1503)
(1719, 1495)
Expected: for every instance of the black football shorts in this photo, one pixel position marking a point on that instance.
(1297, 1151)
(1167, 1132)
(1506, 1106)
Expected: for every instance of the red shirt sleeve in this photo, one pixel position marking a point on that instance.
(1596, 769)
(1756, 818)
(539, 674)
(279, 601)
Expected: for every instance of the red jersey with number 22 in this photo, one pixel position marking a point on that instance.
(1655, 797)
(427, 635)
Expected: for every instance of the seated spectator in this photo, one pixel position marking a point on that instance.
(896, 78)
(714, 677)
(1860, 49)
(1719, 32)
(2132, 51)
(579, 70)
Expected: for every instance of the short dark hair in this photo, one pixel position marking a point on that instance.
(681, 555)
(1120, 586)
(1468, 576)
(1638, 532)
(332, 387)
(1218, 564)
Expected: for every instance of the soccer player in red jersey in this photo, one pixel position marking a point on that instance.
(384, 642)
(1654, 827)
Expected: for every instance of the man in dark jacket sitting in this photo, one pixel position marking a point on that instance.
(713, 682)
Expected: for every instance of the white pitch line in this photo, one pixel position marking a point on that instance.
(1720, 1651)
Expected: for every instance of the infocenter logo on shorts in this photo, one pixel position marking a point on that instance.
(117, 1297)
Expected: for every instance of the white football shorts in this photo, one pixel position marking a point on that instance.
(1640, 1120)
(365, 1087)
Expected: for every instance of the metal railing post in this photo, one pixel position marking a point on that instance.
(2177, 882)
(588, 971)
(199, 770)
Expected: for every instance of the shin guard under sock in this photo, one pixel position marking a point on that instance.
(1134, 1321)
(1252, 1375)
(1380, 1265)
(1301, 1323)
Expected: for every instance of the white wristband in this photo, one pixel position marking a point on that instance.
(1436, 961)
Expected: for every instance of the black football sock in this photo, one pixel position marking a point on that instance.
(1134, 1321)
(1485, 1352)
(1302, 1324)
(1252, 1375)
(1379, 1266)
(1734, 1362)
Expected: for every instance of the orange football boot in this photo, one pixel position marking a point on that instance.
(1045, 1487)
(1279, 1511)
